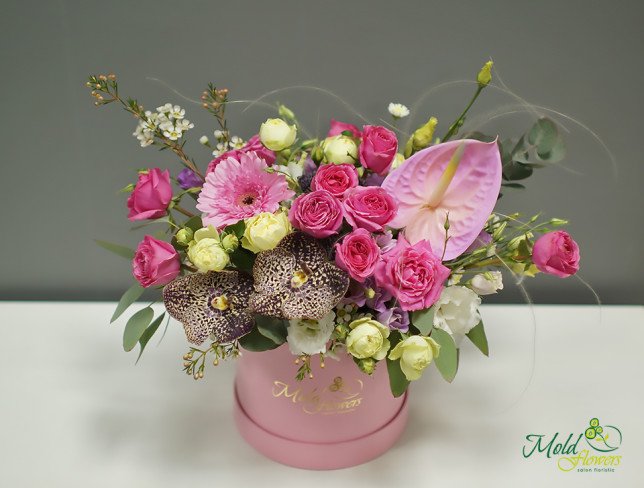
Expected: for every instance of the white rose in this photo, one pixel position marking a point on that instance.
(487, 283)
(265, 230)
(310, 336)
(340, 149)
(457, 311)
(277, 135)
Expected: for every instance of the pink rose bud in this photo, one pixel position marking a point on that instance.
(338, 128)
(378, 148)
(335, 178)
(155, 262)
(151, 195)
(358, 254)
(253, 145)
(369, 207)
(556, 253)
(318, 214)
(412, 274)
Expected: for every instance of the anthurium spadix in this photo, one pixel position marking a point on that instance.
(462, 178)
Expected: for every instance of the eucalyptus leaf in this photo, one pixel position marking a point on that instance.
(447, 360)
(478, 338)
(131, 295)
(148, 333)
(397, 381)
(122, 251)
(274, 329)
(513, 185)
(543, 135)
(423, 320)
(257, 342)
(556, 153)
(136, 326)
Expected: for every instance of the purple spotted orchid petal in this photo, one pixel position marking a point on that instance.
(426, 192)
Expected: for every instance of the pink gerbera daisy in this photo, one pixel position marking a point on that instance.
(237, 190)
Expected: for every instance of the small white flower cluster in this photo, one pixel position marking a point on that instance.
(398, 110)
(222, 146)
(169, 119)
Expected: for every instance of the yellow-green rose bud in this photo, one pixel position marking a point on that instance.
(485, 75)
(206, 251)
(230, 242)
(398, 160)
(184, 236)
(367, 366)
(368, 339)
(285, 112)
(340, 149)
(415, 354)
(265, 230)
(277, 135)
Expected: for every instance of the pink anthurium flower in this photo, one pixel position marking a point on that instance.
(462, 178)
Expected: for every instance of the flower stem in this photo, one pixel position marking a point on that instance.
(182, 210)
(455, 126)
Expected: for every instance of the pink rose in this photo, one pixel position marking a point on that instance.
(338, 128)
(253, 144)
(151, 195)
(317, 213)
(412, 274)
(357, 254)
(155, 262)
(369, 207)
(556, 253)
(378, 148)
(335, 178)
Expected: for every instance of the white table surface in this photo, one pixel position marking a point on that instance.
(76, 411)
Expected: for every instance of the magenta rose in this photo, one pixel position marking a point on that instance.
(338, 128)
(556, 253)
(357, 254)
(317, 213)
(369, 207)
(335, 178)
(253, 144)
(155, 262)
(151, 195)
(378, 148)
(412, 274)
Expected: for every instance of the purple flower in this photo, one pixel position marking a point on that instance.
(367, 293)
(386, 241)
(373, 179)
(395, 318)
(188, 179)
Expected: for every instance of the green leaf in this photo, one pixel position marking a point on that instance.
(423, 320)
(122, 251)
(543, 135)
(136, 326)
(478, 338)
(243, 259)
(556, 153)
(397, 381)
(513, 185)
(193, 223)
(447, 360)
(257, 342)
(129, 297)
(274, 329)
(148, 333)
(237, 229)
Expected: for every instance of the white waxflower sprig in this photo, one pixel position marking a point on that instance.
(169, 119)
(398, 110)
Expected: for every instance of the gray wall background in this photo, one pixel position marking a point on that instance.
(63, 160)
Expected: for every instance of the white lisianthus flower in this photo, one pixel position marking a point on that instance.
(398, 110)
(457, 311)
(487, 283)
(310, 336)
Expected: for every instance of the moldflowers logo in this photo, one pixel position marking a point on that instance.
(593, 450)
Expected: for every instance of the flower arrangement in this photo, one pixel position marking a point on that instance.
(366, 242)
